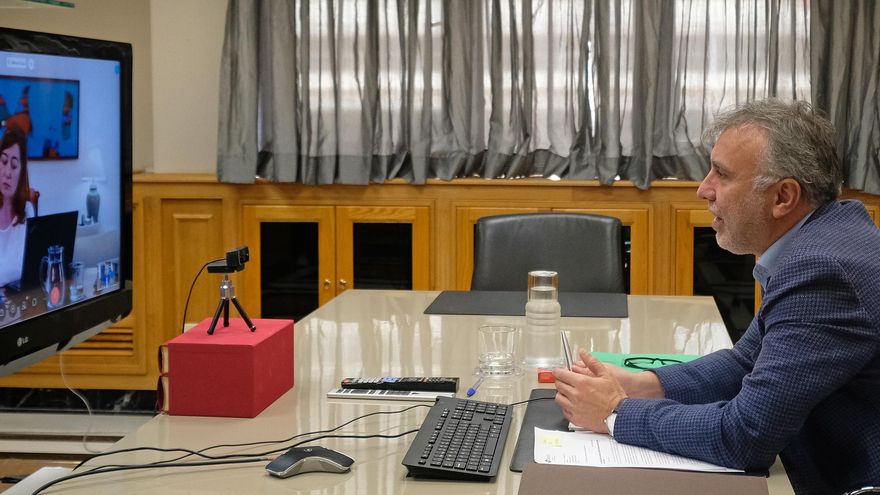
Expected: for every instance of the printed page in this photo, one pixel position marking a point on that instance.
(586, 448)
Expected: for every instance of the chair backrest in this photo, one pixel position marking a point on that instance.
(586, 250)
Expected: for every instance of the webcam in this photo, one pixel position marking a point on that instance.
(234, 262)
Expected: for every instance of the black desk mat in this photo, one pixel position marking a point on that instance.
(489, 302)
(547, 415)
(543, 414)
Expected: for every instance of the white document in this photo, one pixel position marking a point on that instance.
(586, 448)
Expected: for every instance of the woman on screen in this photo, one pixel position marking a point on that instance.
(14, 192)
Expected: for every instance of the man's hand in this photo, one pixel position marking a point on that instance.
(587, 394)
(643, 385)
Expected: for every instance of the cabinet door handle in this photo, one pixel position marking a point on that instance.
(343, 283)
(327, 283)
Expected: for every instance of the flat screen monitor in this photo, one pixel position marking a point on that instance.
(65, 191)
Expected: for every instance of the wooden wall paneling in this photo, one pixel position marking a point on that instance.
(418, 216)
(443, 245)
(661, 246)
(143, 339)
(254, 215)
(148, 242)
(686, 218)
(874, 212)
(422, 269)
(192, 234)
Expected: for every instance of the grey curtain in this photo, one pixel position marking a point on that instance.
(359, 91)
(846, 83)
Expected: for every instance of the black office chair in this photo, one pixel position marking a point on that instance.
(586, 250)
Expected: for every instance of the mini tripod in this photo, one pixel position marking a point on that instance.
(227, 293)
(234, 262)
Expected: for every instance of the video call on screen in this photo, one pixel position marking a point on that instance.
(66, 248)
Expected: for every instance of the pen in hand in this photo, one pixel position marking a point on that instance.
(473, 388)
(566, 350)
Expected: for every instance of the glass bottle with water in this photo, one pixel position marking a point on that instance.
(541, 334)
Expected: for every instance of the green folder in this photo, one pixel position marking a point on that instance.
(643, 361)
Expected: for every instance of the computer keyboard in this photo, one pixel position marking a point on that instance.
(460, 439)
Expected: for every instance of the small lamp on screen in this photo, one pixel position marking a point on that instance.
(93, 172)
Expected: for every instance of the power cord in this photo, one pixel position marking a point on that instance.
(530, 400)
(237, 458)
(186, 305)
(85, 402)
(218, 460)
(227, 458)
(248, 444)
(215, 460)
(111, 469)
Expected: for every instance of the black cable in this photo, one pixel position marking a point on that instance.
(309, 440)
(111, 469)
(530, 400)
(186, 305)
(248, 444)
(99, 469)
(152, 449)
(316, 432)
(228, 458)
(219, 460)
(201, 452)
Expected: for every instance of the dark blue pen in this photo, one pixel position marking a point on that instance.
(473, 389)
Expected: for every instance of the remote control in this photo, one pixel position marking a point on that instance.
(422, 383)
(362, 393)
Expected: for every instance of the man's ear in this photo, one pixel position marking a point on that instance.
(788, 197)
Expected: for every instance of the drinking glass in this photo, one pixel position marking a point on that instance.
(497, 346)
(77, 287)
(543, 285)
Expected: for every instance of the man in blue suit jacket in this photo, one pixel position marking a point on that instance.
(804, 381)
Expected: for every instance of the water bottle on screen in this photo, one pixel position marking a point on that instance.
(541, 335)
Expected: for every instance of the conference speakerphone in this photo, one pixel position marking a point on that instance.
(411, 395)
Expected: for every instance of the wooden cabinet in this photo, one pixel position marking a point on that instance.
(342, 237)
(304, 255)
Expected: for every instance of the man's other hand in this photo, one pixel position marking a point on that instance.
(588, 393)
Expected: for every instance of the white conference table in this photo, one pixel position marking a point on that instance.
(386, 333)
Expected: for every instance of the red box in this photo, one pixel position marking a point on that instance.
(233, 373)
